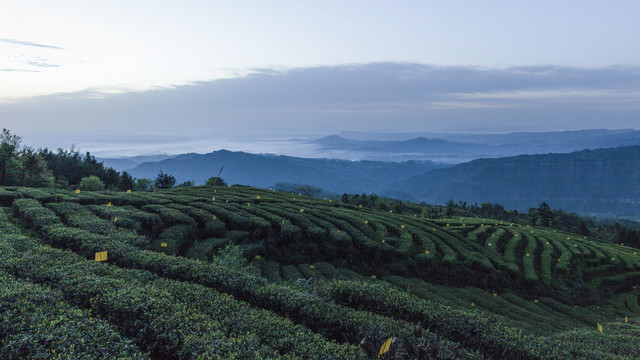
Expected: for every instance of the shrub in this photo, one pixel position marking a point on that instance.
(91, 183)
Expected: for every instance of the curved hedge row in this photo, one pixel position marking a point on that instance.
(325, 317)
(168, 317)
(36, 323)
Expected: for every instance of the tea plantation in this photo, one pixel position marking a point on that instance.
(159, 275)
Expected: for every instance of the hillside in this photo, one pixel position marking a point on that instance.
(266, 170)
(600, 182)
(149, 275)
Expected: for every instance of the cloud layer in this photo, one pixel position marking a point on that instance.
(370, 97)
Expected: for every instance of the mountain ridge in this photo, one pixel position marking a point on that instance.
(266, 170)
(587, 181)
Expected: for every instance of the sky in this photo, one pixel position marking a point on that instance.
(196, 72)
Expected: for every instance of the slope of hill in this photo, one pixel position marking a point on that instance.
(602, 182)
(143, 276)
(266, 170)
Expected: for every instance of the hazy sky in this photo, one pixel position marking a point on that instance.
(62, 61)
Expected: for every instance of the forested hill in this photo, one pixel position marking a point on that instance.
(603, 181)
(266, 170)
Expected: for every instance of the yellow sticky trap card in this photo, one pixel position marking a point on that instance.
(77, 191)
(301, 210)
(109, 203)
(101, 256)
(163, 244)
(128, 191)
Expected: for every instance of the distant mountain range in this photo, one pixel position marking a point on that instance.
(602, 182)
(598, 182)
(457, 148)
(266, 170)
(126, 163)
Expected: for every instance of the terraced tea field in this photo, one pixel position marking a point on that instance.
(141, 275)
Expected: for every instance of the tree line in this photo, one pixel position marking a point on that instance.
(68, 169)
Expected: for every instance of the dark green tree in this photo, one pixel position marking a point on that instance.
(143, 184)
(450, 209)
(9, 164)
(583, 229)
(34, 169)
(215, 181)
(187, 183)
(544, 214)
(164, 181)
(126, 181)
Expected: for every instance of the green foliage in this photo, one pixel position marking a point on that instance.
(164, 181)
(367, 275)
(36, 322)
(91, 183)
(215, 181)
(144, 184)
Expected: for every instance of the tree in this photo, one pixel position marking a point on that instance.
(215, 181)
(143, 184)
(309, 190)
(449, 211)
(126, 181)
(544, 214)
(187, 183)
(111, 178)
(164, 181)
(91, 183)
(583, 229)
(396, 207)
(34, 169)
(9, 164)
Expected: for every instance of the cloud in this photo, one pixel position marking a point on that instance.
(27, 43)
(17, 70)
(371, 97)
(42, 64)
